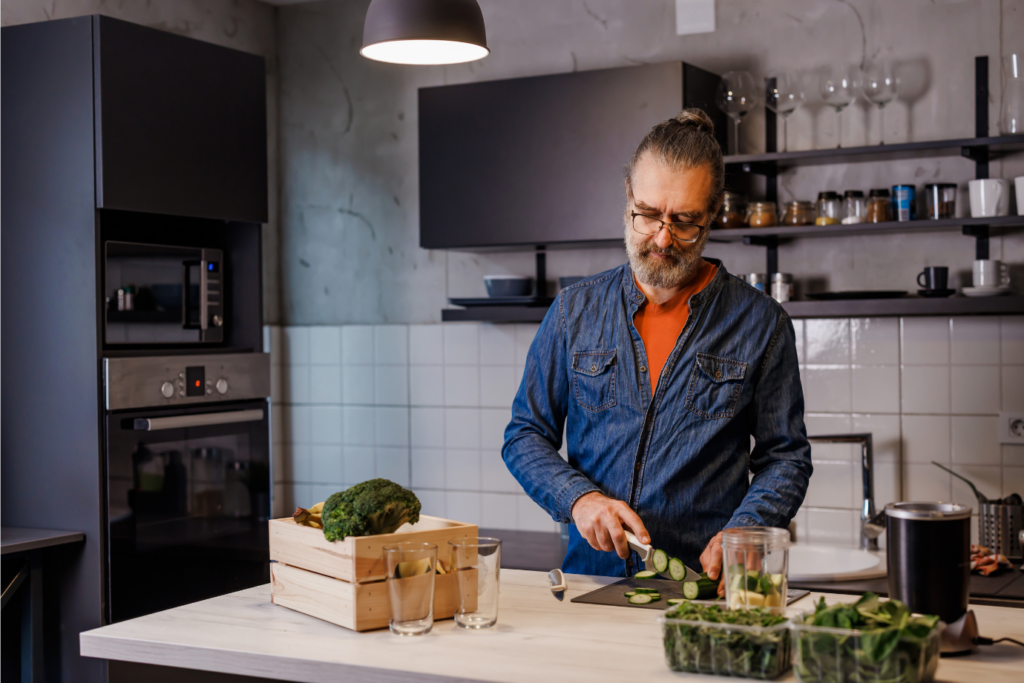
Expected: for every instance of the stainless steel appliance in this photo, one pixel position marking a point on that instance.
(159, 294)
(188, 478)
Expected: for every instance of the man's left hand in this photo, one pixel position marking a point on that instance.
(711, 561)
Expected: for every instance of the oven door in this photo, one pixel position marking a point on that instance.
(188, 498)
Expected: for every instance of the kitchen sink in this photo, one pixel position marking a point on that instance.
(833, 563)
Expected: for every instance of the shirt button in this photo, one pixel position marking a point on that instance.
(718, 375)
(593, 368)
(643, 368)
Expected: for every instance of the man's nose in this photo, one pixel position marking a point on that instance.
(664, 238)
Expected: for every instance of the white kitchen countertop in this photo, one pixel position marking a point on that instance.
(536, 639)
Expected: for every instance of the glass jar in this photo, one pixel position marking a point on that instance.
(758, 281)
(829, 209)
(756, 562)
(782, 287)
(799, 213)
(734, 211)
(762, 215)
(879, 209)
(940, 200)
(855, 209)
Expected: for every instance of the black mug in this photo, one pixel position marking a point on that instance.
(935, 277)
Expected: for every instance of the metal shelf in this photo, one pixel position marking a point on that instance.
(890, 228)
(495, 314)
(906, 307)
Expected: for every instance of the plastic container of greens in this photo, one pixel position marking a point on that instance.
(696, 645)
(840, 655)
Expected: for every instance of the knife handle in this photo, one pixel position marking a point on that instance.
(642, 548)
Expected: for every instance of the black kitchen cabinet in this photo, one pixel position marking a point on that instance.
(181, 125)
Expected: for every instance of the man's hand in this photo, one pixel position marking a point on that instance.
(711, 560)
(600, 520)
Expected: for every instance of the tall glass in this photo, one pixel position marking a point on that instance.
(839, 86)
(737, 95)
(411, 570)
(476, 562)
(756, 561)
(880, 87)
(1011, 111)
(783, 94)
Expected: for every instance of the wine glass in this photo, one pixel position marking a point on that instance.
(783, 94)
(839, 86)
(880, 87)
(737, 96)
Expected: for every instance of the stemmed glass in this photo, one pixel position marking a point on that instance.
(737, 96)
(783, 94)
(880, 87)
(839, 86)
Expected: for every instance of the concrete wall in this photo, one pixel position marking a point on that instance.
(349, 146)
(244, 25)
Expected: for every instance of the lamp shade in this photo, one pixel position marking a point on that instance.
(424, 32)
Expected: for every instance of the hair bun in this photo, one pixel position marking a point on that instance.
(698, 119)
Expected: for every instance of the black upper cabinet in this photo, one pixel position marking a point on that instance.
(181, 125)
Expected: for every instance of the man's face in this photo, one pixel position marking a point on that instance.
(672, 195)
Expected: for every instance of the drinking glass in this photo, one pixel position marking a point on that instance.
(737, 96)
(783, 94)
(880, 87)
(839, 85)
(476, 563)
(1011, 115)
(410, 582)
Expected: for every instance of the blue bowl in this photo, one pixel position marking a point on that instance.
(499, 286)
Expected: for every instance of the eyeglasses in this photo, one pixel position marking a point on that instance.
(649, 225)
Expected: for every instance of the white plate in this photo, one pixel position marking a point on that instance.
(827, 563)
(986, 291)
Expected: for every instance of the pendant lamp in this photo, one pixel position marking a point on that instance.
(424, 32)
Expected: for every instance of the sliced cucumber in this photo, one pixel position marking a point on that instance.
(777, 579)
(655, 596)
(703, 589)
(675, 601)
(660, 561)
(629, 594)
(641, 599)
(646, 590)
(645, 575)
(676, 569)
(753, 573)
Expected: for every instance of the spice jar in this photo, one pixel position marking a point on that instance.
(757, 281)
(940, 200)
(782, 287)
(854, 207)
(879, 208)
(734, 211)
(762, 215)
(904, 203)
(829, 208)
(799, 213)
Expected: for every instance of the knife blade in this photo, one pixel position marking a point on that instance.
(646, 553)
(558, 585)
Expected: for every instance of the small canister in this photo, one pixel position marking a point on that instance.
(855, 209)
(798, 213)
(940, 200)
(879, 209)
(756, 565)
(782, 287)
(904, 203)
(734, 211)
(758, 281)
(829, 208)
(762, 215)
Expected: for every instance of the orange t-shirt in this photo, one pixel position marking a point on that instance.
(659, 325)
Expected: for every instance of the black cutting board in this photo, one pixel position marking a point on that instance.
(613, 594)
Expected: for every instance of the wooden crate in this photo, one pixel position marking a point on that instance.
(357, 606)
(357, 559)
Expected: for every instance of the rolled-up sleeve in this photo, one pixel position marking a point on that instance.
(781, 458)
(534, 435)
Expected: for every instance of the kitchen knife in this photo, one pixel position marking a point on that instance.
(646, 553)
(558, 584)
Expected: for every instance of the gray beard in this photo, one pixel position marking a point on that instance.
(681, 266)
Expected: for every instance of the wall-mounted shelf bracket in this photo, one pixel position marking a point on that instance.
(771, 244)
(980, 235)
(541, 281)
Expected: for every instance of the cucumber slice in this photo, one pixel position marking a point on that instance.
(646, 590)
(676, 569)
(641, 599)
(753, 573)
(703, 589)
(645, 575)
(655, 596)
(629, 594)
(777, 579)
(675, 601)
(660, 561)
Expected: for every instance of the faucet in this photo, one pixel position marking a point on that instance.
(870, 521)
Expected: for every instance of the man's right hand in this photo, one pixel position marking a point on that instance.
(600, 520)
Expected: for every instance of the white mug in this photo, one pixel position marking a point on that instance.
(1019, 182)
(991, 273)
(989, 197)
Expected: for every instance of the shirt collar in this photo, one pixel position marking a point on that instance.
(637, 296)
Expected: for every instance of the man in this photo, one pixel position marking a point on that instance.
(660, 372)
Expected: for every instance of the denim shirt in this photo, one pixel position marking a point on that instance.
(680, 458)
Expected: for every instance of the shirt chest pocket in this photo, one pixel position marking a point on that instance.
(593, 379)
(715, 386)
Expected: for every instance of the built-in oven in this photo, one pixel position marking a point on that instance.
(163, 295)
(187, 445)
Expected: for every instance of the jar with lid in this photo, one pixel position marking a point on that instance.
(756, 562)
(734, 211)
(904, 203)
(940, 200)
(782, 287)
(855, 209)
(829, 208)
(879, 209)
(762, 215)
(798, 213)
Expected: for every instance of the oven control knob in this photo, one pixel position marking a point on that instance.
(218, 321)
(167, 389)
(222, 386)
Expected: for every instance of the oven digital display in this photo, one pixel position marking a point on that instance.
(195, 378)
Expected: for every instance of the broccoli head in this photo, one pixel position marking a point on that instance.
(377, 506)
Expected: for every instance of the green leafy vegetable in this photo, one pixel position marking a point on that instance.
(717, 641)
(886, 643)
(377, 506)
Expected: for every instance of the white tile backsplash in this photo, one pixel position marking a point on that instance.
(327, 465)
(295, 346)
(324, 384)
(462, 427)
(532, 517)
(831, 527)
(359, 464)
(498, 386)
(461, 344)
(975, 340)
(975, 389)
(498, 511)
(886, 442)
(494, 475)
(830, 485)
(975, 440)
(324, 345)
(1012, 381)
(428, 468)
(462, 469)
(426, 385)
(1012, 339)
(926, 483)
(325, 425)
(876, 388)
(358, 385)
(463, 506)
(391, 344)
(498, 344)
(462, 385)
(827, 342)
(827, 388)
(925, 388)
(926, 438)
(393, 463)
(925, 341)
(358, 429)
(357, 346)
(392, 385)
(426, 427)
(426, 345)
(296, 385)
(392, 426)
(986, 478)
(876, 341)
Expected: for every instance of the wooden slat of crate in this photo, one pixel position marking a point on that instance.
(357, 606)
(357, 559)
